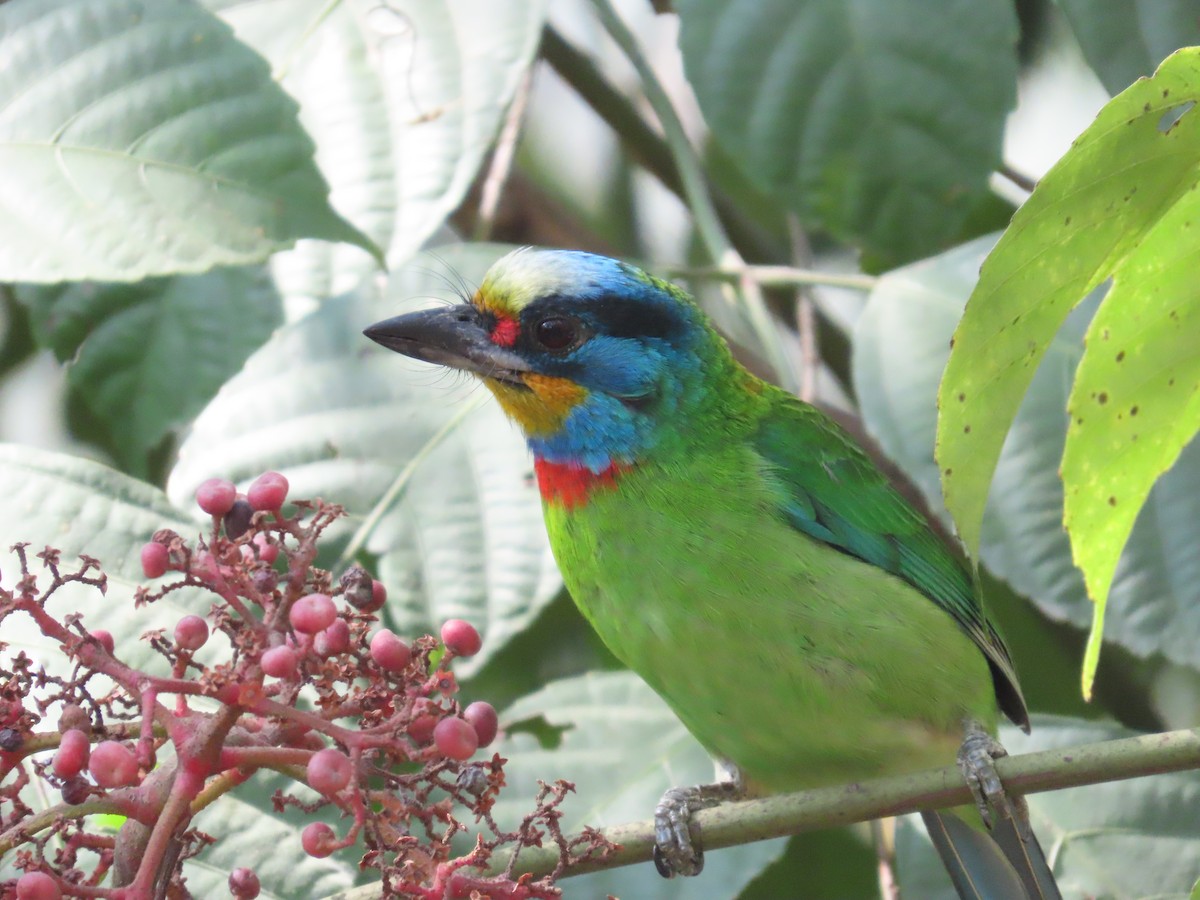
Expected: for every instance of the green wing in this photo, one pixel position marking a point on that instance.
(836, 494)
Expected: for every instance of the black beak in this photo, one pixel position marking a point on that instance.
(455, 336)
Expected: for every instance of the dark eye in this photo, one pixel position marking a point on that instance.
(557, 333)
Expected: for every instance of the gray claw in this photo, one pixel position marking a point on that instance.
(676, 850)
(976, 761)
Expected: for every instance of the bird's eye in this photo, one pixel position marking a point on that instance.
(557, 333)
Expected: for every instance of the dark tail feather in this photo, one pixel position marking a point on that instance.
(991, 866)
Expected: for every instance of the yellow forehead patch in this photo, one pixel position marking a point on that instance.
(516, 280)
(541, 410)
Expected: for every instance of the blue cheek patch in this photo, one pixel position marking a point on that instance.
(598, 432)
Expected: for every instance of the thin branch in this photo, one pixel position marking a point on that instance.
(776, 276)
(502, 161)
(786, 814)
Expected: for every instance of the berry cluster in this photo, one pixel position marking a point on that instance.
(308, 685)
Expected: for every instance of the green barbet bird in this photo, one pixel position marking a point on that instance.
(730, 543)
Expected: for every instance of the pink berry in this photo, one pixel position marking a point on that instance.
(312, 613)
(329, 771)
(216, 496)
(155, 559)
(455, 738)
(389, 652)
(482, 717)
(191, 633)
(71, 758)
(37, 886)
(113, 765)
(461, 638)
(333, 640)
(280, 662)
(268, 491)
(106, 640)
(243, 884)
(267, 551)
(317, 839)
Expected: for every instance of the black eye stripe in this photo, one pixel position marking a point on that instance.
(613, 315)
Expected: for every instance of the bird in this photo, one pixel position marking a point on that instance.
(733, 546)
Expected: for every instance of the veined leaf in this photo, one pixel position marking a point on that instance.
(1122, 204)
(403, 99)
(141, 138)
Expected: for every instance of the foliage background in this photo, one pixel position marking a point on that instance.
(194, 200)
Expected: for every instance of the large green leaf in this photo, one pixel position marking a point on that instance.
(900, 347)
(346, 420)
(878, 121)
(1124, 40)
(403, 100)
(141, 138)
(147, 357)
(1119, 205)
(622, 748)
(1137, 838)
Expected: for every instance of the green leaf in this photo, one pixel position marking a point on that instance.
(901, 343)
(403, 99)
(147, 357)
(1119, 205)
(81, 507)
(267, 842)
(622, 747)
(140, 138)
(877, 121)
(1092, 834)
(1124, 40)
(348, 421)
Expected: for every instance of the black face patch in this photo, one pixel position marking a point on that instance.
(614, 315)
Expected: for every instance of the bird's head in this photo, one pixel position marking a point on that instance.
(590, 356)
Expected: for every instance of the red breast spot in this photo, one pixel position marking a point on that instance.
(505, 331)
(570, 484)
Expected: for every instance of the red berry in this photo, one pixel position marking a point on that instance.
(216, 496)
(155, 559)
(71, 758)
(329, 771)
(333, 640)
(461, 638)
(243, 884)
(37, 886)
(455, 738)
(378, 595)
(113, 765)
(280, 662)
(484, 720)
(312, 613)
(267, 551)
(389, 652)
(106, 640)
(317, 839)
(268, 491)
(191, 632)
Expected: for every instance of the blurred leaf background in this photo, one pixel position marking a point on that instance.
(196, 199)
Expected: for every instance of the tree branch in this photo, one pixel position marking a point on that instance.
(787, 814)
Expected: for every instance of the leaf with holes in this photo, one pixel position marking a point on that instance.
(404, 100)
(343, 419)
(878, 121)
(901, 343)
(1121, 204)
(141, 138)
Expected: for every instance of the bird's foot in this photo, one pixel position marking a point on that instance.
(977, 761)
(677, 849)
